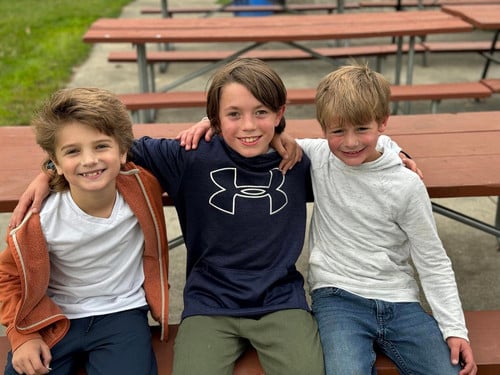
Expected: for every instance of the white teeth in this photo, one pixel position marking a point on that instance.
(91, 174)
(249, 139)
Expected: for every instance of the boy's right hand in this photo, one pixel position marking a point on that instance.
(32, 358)
(32, 198)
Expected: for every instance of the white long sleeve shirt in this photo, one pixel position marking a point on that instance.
(368, 223)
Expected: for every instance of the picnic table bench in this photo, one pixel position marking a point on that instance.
(433, 92)
(484, 334)
(379, 51)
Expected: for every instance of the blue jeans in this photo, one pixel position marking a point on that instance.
(351, 326)
(118, 343)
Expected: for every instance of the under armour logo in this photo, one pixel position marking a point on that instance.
(225, 199)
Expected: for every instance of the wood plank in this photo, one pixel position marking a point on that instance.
(492, 83)
(484, 334)
(264, 54)
(276, 21)
(459, 46)
(185, 99)
(486, 17)
(275, 28)
(458, 153)
(438, 91)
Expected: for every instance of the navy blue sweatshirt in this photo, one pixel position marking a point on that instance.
(243, 224)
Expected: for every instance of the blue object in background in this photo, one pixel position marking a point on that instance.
(252, 2)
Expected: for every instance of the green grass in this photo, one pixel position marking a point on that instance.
(40, 43)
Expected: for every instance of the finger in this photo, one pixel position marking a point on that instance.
(209, 134)
(46, 357)
(286, 165)
(179, 135)
(454, 354)
(181, 138)
(298, 157)
(468, 369)
(37, 204)
(19, 212)
(188, 141)
(420, 173)
(280, 149)
(468, 365)
(24, 367)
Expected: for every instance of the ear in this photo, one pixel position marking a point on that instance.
(279, 114)
(123, 158)
(58, 168)
(383, 125)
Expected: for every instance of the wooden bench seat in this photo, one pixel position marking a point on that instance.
(379, 51)
(264, 54)
(177, 56)
(493, 84)
(458, 46)
(432, 92)
(484, 334)
(436, 92)
(328, 7)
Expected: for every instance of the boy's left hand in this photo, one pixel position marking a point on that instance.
(461, 352)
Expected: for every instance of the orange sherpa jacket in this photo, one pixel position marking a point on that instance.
(28, 312)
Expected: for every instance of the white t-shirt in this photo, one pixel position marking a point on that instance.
(96, 263)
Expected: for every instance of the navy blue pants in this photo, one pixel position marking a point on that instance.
(118, 343)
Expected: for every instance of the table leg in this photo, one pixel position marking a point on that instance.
(340, 6)
(397, 73)
(489, 57)
(142, 71)
(165, 46)
(409, 69)
(497, 220)
(164, 8)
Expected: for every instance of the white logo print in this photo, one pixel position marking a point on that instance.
(227, 180)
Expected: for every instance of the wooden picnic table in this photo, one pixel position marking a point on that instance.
(483, 17)
(252, 32)
(256, 9)
(458, 154)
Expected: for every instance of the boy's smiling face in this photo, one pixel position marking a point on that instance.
(246, 125)
(355, 144)
(88, 159)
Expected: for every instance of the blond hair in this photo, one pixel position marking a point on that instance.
(352, 94)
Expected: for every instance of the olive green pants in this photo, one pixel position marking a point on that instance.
(286, 341)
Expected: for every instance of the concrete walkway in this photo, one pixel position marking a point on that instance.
(475, 254)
